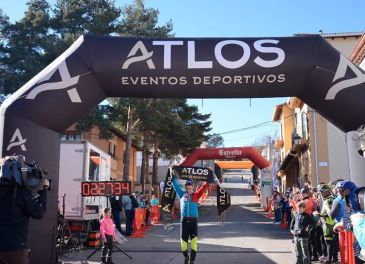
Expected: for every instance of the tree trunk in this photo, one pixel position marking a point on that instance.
(143, 166)
(147, 157)
(128, 147)
(127, 154)
(155, 164)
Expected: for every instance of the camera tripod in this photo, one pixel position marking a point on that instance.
(114, 246)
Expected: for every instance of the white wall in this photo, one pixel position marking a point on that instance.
(337, 153)
(356, 161)
(344, 45)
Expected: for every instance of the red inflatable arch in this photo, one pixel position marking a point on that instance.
(238, 153)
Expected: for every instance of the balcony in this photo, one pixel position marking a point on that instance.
(299, 144)
(279, 143)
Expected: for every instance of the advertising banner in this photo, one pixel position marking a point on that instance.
(194, 173)
(223, 200)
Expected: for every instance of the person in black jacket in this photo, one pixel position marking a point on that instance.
(300, 229)
(17, 206)
(117, 207)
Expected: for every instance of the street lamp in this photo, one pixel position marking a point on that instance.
(297, 140)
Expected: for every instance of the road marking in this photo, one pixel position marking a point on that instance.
(248, 251)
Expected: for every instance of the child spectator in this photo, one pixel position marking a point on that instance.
(299, 227)
(107, 233)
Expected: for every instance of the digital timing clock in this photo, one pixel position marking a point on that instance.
(105, 188)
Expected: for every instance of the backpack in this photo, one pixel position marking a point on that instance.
(134, 202)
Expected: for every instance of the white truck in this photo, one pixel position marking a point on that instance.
(81, 161)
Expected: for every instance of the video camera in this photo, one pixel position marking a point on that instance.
(15, 171)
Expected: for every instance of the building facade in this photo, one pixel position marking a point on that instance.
(320, 152)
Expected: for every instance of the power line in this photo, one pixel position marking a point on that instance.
(250, 136)
(251, 127)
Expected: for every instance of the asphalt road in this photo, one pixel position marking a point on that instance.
(247, 236)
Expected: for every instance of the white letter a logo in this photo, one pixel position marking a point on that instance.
(146, 56)
(17, 140)
(340, 73)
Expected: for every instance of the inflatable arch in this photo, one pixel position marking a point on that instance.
(237, 153)
(97, 67)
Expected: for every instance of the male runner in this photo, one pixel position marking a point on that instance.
(189, 216)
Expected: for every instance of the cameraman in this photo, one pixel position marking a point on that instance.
(17, 205)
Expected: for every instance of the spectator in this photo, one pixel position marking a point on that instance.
(128, 209)
(154, 201)
(250, 182)
(162, 186)
(338, 207)
(310, 208)
(286, 208)
(310, 203)
(276, 198)
(346, 224)
(135, 205)
(117, 208)
(308, 184)
(349, 185)
(358, 222)
(320, 240)
(295, 197)
(146, 204)
(138, 197)
(299, 227)
(328, 223)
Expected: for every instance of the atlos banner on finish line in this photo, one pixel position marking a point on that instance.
(223, 200)
(194, 173)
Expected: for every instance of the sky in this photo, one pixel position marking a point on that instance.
(243, 18)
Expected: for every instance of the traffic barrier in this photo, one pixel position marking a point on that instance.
(346, 248)
(347, 252)
(139, 223)
(351, 248)
(342, 241)
(146, 222)
(93, 239)
(155, 214)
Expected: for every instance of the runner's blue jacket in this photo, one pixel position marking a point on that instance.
(189, 203)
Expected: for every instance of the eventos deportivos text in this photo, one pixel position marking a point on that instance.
(205, 80)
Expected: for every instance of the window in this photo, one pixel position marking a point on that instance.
(304, 126)
(112, 149)
(71, 137)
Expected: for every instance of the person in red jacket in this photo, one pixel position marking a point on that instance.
(107, 233)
